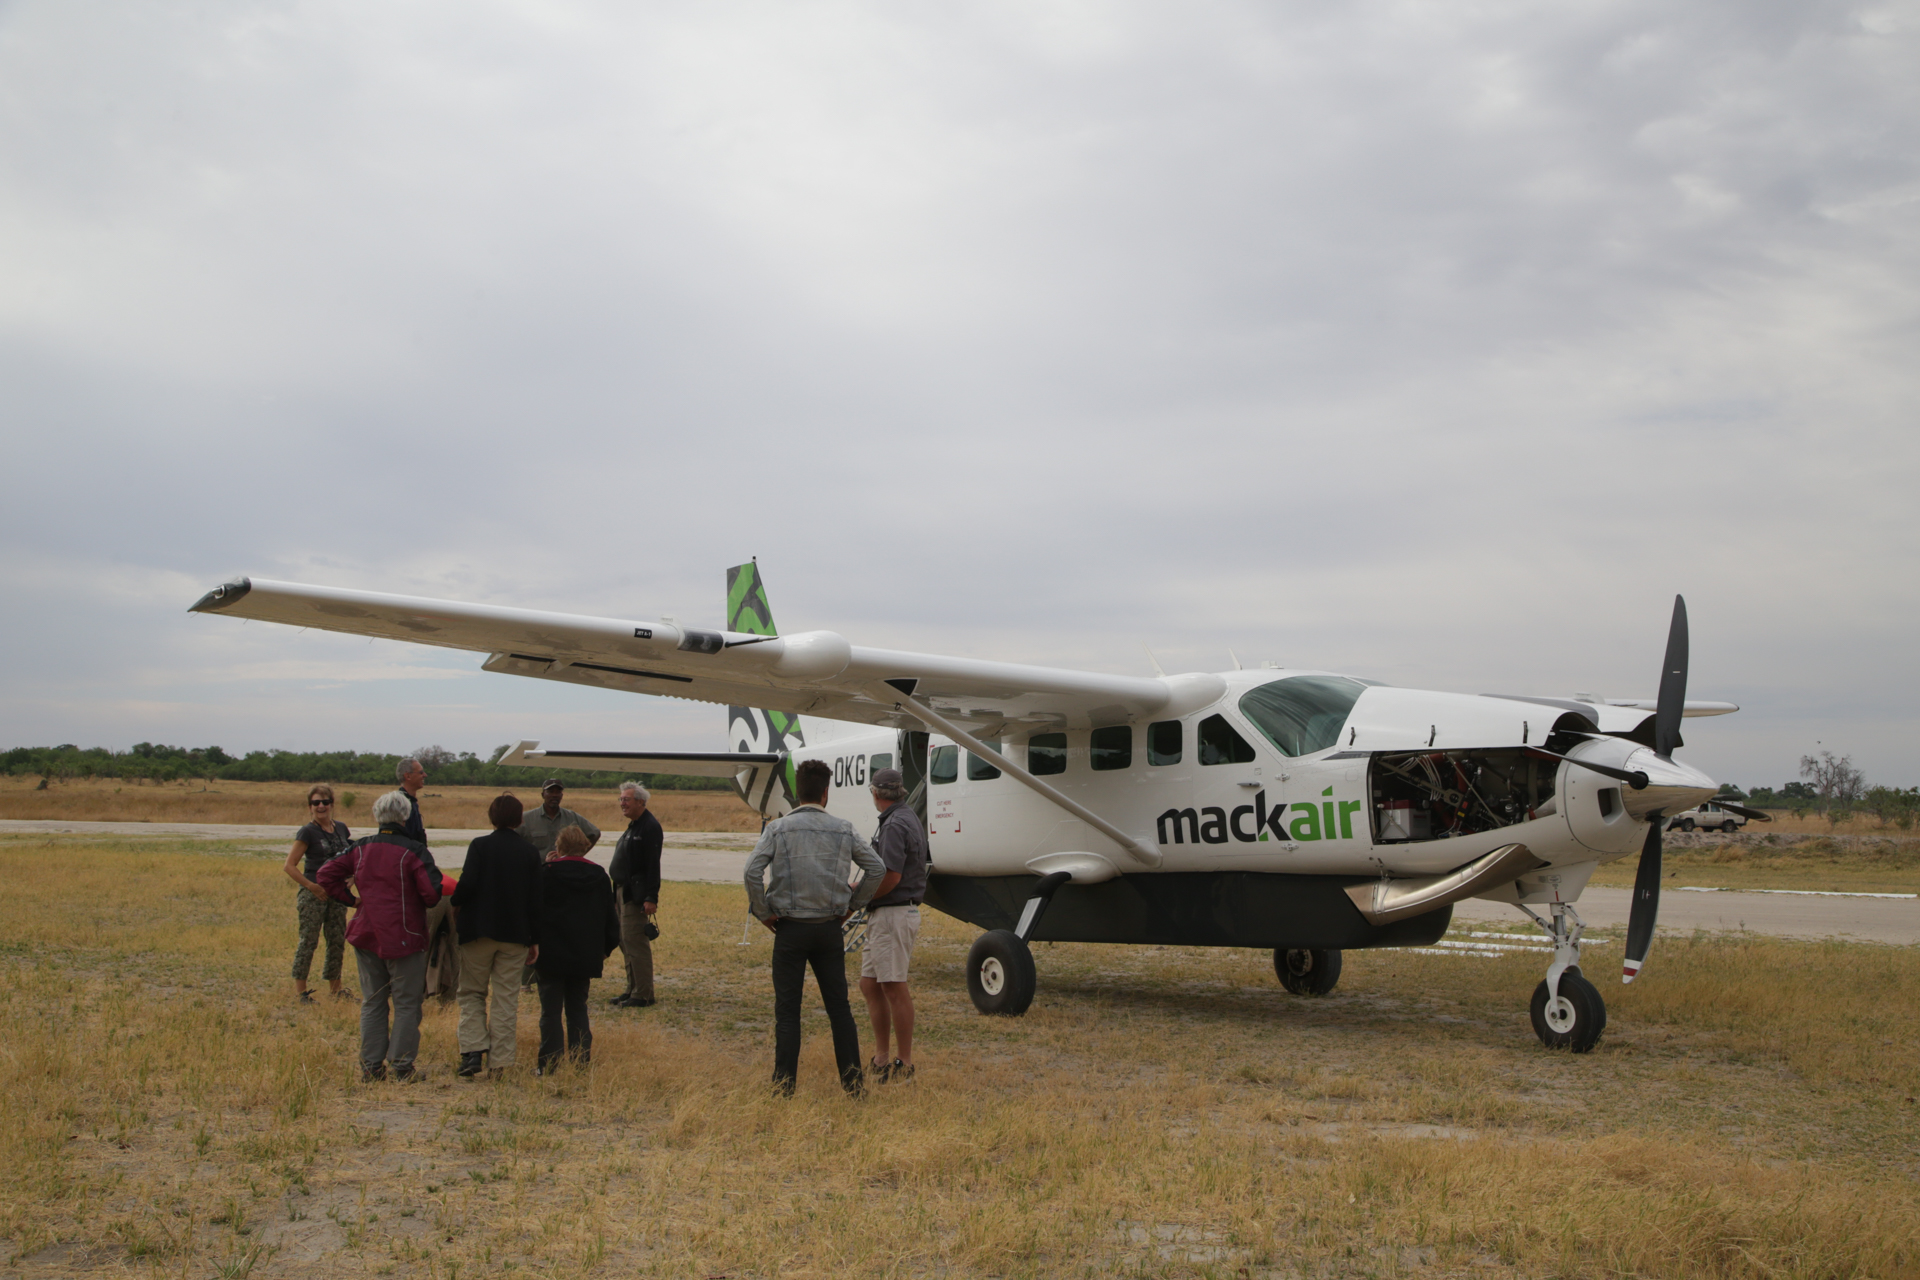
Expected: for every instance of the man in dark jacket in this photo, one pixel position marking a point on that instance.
(636, 884)
(412, 778)
(579, 928)
(396, 883)
(496, 907)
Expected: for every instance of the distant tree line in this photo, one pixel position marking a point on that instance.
(157, 762)
(1832, 787)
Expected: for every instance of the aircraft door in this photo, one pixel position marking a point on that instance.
(913, 771)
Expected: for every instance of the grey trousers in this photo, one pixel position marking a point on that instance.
(404, 982)
(635, 947)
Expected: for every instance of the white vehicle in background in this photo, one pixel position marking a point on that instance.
(1707, 817)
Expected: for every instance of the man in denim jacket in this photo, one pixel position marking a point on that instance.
(812, 855)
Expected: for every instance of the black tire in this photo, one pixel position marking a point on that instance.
(1000, 975)
(1686, 824)
(1576, 1026)
(1730, 826)
(1307, 973)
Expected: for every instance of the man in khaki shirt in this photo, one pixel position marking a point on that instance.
(542, 827)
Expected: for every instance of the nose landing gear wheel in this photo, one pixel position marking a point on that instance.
(1000, 974)
(1307, 973)
(1572, 1020)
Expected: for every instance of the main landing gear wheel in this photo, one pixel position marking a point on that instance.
(1307, 973)
(1572, 1020)
(1000, 975)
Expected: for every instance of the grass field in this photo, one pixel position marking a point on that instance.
(258, 803)
(166, 1110)
(1862, 864)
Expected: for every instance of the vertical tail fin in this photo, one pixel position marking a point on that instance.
(751, 728)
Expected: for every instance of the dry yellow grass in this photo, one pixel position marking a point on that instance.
(1766, 861)
(258, 803)
(1813, 824)
(164, 1109)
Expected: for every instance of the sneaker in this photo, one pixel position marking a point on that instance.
(879, 1070)
(305, 997)
(900, 1072)
(344, 994)
(470, 1065)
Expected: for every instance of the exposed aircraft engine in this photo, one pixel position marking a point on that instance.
(1439, 795)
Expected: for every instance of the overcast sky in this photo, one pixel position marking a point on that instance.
(1441, 345)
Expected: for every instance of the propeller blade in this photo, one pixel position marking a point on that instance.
(1634, 778)
(1646, 902)
(1673, 684)
(1743, 811)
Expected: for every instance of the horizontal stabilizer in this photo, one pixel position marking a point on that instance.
(686, 764)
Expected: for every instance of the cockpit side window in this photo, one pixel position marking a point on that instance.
(1221, 743)
(1302, 714)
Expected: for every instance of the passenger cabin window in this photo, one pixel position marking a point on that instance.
(1047, 753)
(1163, 742)
(1302, 714)
(1221, 743)
(879, 760)
(943, 765)
(978, 770)
(1112, 747)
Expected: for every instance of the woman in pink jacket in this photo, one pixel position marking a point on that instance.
(394, 882)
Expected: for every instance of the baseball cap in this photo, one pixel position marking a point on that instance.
(553, 782)
(888, 778)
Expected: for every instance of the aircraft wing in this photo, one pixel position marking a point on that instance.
(686, 764)
(813, 672)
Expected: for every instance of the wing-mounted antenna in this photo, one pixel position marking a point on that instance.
(755, 729)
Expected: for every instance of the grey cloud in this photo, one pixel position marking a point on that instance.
(1441, 346)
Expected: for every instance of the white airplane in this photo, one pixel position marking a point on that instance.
(1303, 811)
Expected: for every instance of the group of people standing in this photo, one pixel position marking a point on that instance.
(528, 902)
(528, 898)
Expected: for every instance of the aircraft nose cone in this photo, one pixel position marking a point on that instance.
(1671, 786)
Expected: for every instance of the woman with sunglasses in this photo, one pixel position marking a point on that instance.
(313, 845)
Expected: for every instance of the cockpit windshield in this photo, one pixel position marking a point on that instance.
(1302, 714)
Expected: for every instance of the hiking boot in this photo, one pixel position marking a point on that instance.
(471, 1064)
(369, 1075)
(408, 1074)
(900, 1072)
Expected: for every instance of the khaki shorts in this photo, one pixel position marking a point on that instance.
(890, 935)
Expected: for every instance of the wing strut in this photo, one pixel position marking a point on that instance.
(1146, 854)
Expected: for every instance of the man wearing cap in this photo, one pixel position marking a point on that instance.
(893, 922)
(542, 826)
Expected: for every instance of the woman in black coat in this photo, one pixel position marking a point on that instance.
(578, 930)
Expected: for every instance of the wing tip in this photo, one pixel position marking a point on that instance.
(224, 596)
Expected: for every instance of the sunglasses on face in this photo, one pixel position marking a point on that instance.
(319, 802)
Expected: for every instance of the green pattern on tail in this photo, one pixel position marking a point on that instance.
(747, 608)
(752, 728)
